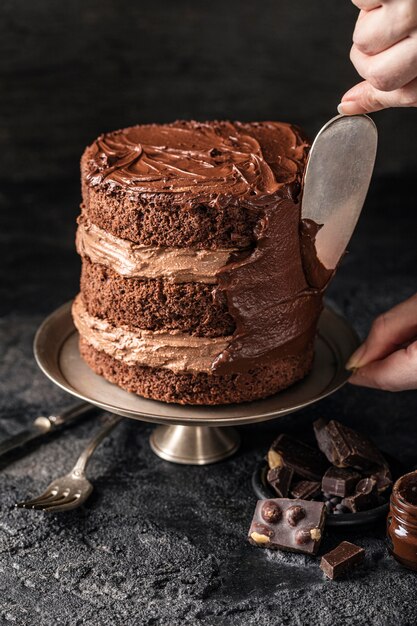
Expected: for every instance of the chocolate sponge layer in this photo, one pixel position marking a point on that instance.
(162, 222)
(154, 304)
(187, 388)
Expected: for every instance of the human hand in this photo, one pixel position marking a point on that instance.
(384, 52)
(388, 357)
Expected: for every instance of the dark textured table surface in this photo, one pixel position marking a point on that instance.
(165, 544)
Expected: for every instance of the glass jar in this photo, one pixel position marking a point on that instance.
(402, 521)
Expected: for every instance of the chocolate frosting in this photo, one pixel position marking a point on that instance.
(169, 349)
(275, 309)
(204, 160)
(315, 272)
(178, 265)
(271, 290)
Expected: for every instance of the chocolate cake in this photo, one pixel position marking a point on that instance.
(193, 284)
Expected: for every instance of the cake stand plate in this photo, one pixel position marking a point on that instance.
(192, 434)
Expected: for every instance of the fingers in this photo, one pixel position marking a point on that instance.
(388, 332)
(364, 98)
(390, 69)
(397, 372)
(380, 29)
(367, 5)
(384, 52)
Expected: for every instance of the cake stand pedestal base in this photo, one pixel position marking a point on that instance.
(194, 445)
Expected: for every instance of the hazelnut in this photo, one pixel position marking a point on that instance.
(274, 459)
(258, 538)
(302, 536)
(262, 529)
(295, 514)
(315, 534)
(271, 512)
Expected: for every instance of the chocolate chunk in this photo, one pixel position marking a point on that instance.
(339, 481)
(344, 447)
(305, 490)
(304, 460)
(298, 528)
(382, 476)
(341, 559)
(366, 486)
(280, 479)
(364, 498)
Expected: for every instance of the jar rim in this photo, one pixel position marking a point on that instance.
(400, 487)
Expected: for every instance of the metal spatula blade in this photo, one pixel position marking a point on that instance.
(336, 182)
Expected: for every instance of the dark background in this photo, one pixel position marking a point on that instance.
(71, 70)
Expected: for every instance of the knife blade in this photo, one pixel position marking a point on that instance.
(336, 182)
(43, 425)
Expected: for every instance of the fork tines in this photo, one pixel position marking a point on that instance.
(50, 499)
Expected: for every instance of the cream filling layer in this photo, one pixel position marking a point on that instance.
(133, 260)
(173, 350)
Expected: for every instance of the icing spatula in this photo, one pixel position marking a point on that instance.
(336, 182)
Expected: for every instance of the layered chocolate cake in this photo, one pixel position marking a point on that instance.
(193, 285)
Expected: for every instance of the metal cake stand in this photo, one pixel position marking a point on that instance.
(194, 435)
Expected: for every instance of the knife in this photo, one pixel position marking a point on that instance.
(336, 181)
(42, 426)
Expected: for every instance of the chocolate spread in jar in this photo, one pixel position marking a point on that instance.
(402, 521)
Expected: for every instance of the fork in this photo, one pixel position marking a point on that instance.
(72, 490)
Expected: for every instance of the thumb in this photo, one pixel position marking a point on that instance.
(364, 98)
(397, 372)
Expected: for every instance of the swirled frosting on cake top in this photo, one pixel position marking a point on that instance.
(213, 158)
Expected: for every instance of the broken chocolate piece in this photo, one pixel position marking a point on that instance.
(364, 498)
(339, 481)
(383, 478)
(298, 527)
(324, 441)
(344, 447)
(341, 559)
(304, 460)
(280, 479)
(305, 489)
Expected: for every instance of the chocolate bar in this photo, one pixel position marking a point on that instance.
(344, 447)
(280, 479)
(364, 498)
(339, 481)
(306, 489)
(305, 461)
(285, 524)
(341, 559)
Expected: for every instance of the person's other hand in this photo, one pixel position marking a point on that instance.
(388, 357)
(384, 52)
